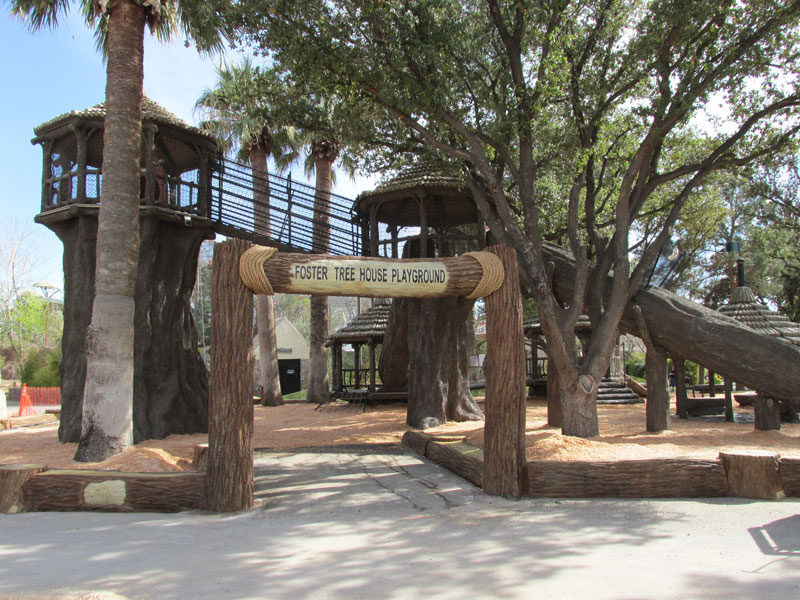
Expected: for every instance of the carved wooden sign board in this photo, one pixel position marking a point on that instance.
(356, 277)
(266, 271)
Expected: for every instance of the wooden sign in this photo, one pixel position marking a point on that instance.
(266, 271)
(358, 277)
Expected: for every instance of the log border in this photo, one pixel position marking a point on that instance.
(41, 489)
(644, 478)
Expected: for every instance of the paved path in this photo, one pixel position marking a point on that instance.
(391, 525)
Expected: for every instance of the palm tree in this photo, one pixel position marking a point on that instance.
(324, 152)
(240, 113)
(107, 424)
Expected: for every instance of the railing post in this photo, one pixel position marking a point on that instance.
(289, 205)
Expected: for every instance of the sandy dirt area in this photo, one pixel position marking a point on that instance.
(298, 425)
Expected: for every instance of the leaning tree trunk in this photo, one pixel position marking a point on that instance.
(325, 153)
(702, 335)
(107, 426)
(268, 376)
(393, 365)
(438, 385)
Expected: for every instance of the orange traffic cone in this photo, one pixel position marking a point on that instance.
(25, 405)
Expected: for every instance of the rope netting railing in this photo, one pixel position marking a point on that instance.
(274, 209)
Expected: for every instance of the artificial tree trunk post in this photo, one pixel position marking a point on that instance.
(728, 400)
(504, 432)
(230, 430)
(681, 400)
(657, 408)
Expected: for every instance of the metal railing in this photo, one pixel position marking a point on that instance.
(287, 219)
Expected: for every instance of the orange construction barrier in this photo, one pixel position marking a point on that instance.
(25, 406)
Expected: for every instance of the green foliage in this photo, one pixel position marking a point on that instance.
(634, 366)
(41, 369)
(244, 110)
(297, 309)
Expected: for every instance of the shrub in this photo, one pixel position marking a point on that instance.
(634, 366)
(41, 369)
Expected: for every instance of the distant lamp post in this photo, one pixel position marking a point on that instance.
(49, 291)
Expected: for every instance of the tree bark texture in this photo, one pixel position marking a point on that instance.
(12, 480)
(393, 363)
(667, 478)
(230, 427)
(702, 335)
(268, 376)
(318, 386)
(110, 491)
(728, 400)
(681, 399)
(318, 353)
(578, 405)
(767, 413)
(438, 388)
(504, 432)
(657, 409)
(462, 459)
(170, 390)
(107, 424)
(753, 474)
(554, 414)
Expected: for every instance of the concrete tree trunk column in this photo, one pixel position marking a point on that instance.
(230, 430)
(504, 432)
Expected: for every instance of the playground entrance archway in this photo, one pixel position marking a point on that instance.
(241, 270)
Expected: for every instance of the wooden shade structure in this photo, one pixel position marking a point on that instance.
(367, 329)
(425, 206)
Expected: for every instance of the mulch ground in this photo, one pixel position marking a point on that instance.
(299, 425)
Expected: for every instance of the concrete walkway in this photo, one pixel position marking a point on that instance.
(391, 525)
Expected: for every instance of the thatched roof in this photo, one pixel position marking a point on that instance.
(396, 199)
(368, 325)
(151, 111)
(748, 311)
(421, 175)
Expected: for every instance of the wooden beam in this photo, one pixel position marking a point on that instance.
(504, 447)
(230, 422)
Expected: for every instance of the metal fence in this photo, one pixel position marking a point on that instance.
(287, 218)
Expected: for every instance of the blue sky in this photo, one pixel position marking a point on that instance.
(51, 72)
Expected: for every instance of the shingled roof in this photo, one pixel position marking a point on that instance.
(370, 324)
(150, 112)
(748, 311)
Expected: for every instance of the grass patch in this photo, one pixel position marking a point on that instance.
(301, 395)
